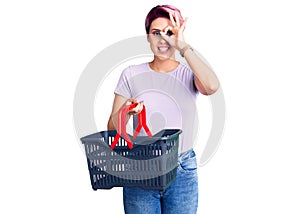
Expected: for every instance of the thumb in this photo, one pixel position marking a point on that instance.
(169, 38)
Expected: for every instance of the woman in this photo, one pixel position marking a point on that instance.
(164, 84)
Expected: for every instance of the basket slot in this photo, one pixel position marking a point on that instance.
(121, 142)
(110, 140)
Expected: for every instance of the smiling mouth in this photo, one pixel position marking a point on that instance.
(163, 49)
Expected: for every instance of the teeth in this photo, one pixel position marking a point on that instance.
(163, 49)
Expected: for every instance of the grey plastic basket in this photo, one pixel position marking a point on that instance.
(151, 164)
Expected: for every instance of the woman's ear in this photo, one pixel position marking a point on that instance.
(148, 37)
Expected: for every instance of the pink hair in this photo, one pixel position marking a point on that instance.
(161, 11)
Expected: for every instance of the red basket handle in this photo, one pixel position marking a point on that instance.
(122, 125)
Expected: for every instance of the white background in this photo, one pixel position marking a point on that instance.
(253, 47)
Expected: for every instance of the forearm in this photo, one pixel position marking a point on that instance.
(110, 124)
(113, 122)
(206, 80)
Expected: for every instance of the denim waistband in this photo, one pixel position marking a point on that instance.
(185, 155)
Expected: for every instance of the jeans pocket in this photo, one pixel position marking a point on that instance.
(188, 165)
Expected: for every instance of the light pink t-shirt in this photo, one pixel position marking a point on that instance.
(169, 99)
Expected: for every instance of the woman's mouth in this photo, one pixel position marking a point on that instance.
(163, 49)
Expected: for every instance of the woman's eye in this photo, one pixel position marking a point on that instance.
(156, 33)
(169, 33)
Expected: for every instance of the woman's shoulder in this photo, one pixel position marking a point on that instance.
(183, 70)
(184, 67)
(140, 66)
(135, 68)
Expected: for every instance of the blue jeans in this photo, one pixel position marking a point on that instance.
(181, 197)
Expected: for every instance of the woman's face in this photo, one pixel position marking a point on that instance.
(160, 47)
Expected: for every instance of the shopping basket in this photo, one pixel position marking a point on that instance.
(149, 163)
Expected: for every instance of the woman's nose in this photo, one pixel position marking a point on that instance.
(162, 40)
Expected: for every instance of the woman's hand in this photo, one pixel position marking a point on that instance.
(174, 34)
(137, 109)
(120, 102)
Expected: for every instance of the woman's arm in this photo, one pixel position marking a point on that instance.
(119, 101)
(205, 79)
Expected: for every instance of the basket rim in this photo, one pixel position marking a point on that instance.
(156, 136)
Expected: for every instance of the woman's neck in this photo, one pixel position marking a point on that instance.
(163, 66)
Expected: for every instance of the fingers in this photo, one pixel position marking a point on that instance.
(136, 110)
(167, 32)
(174, 34)
(170, 39)
(177, 27)
(172, 19)
(176, 21)
(131, 101)
(183, 24)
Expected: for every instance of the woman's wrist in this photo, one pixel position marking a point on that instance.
(181, 45)
(184, 49)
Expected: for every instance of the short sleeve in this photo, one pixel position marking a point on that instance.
(188, 79)
(194, 87)
(123, 86)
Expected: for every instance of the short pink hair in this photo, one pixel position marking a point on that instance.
(161, 11)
